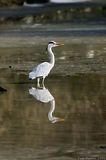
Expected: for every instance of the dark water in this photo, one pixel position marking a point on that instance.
(66, 120)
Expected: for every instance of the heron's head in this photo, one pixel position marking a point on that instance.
(54, 44)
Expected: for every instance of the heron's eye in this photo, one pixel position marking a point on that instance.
(52, 42)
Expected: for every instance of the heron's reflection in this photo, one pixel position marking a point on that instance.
(43, 95)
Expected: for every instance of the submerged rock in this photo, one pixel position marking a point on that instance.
(3, 89)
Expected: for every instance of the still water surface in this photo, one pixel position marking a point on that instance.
(28, 129)
(66, 120)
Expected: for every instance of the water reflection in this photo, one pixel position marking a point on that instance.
(26, 132)
(43, 95)
(90, 54)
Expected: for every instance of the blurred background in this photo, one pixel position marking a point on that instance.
(34, 11)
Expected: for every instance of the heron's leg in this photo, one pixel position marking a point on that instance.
(38, 82)
(43, 82)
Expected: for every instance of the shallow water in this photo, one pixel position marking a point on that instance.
(75, 93)
(26, 131)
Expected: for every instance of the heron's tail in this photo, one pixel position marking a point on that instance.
(32, 75)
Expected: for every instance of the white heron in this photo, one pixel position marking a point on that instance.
(45, 96)
(43, 69)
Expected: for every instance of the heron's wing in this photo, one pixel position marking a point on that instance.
(41, 66)
(42, 69)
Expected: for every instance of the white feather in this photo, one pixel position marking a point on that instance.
(43, 69)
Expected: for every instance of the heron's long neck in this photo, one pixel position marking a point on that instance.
(52, 59)
(50, 114)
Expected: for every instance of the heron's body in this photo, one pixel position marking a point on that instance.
(43, 69)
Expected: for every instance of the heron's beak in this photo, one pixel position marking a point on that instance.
(61, 120)
(59, 44)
